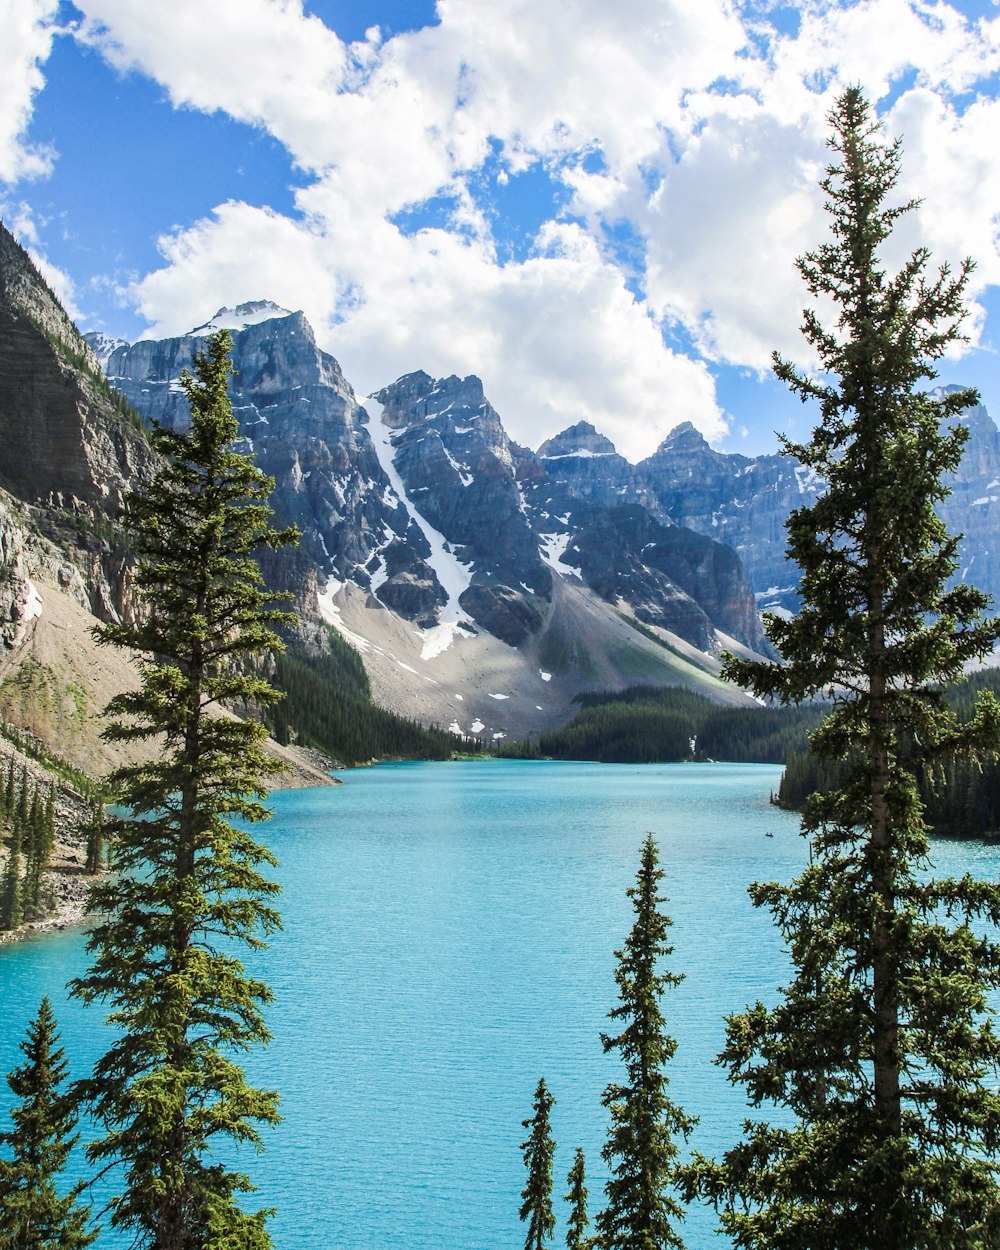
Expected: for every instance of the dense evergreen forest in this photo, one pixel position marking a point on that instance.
(647, 725)
(961, 798)
(328, 705)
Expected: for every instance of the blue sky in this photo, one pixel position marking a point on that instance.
(596, 211)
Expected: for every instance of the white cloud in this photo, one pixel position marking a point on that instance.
(260, 61)
(28, 31)
(555, 340)
(704, 135)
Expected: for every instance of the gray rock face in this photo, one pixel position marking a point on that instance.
(445, 497)
(673, 577)
(746, 502)
(67, 451)
(67, 442)
(973, 507)
(15, 586)
(455, 460)
(588, 466)
(738, 501)
(300, 417)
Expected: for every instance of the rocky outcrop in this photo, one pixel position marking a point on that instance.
(745, 503)
(300, 417)
(972, 507)
(73, 448)
(587, 465)
(735, 500)
(72, 453)
(456, 464)
(17, 594)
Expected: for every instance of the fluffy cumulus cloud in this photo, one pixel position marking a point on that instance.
(678, 142)
(28, 30)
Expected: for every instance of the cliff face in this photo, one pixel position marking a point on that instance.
(973, 506)
(454, 460)
(69, 452)
(72, 448)
(745, 503)
(740, 502)
(602, 516)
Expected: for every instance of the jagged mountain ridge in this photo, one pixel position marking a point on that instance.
(433, 470)
(745, 502)
(416, 503)
(418, 499)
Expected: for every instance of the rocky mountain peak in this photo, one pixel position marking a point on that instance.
(252, 313)
(581, 439)
(417, 397)
(103, 345)
(685, 437)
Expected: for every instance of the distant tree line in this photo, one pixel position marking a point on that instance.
(650, 725)
(960, 794)
(28, 813)
(29, 816)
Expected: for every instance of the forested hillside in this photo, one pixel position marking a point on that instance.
(647, 725)
(328, 705)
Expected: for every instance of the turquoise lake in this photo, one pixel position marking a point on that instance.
(449, 937)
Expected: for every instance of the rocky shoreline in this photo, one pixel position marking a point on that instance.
(67, 879)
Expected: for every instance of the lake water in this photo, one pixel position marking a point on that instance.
(449, 937)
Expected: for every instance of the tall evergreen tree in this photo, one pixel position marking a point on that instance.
(33, 1214)
(22, 806)
(11, 887)
(9, 791)
(38, 852)
(169, 1090)
(880, 1052)
(641, 1150)
(93, 832)
(578, 1221)
(538, 1149)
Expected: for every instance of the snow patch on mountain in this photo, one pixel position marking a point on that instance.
(330, 613)
(243, 315)
(103, 346)
(454, 576)
(438, 639)
(552, 547)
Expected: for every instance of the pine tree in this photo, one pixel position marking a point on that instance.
(33, 1214)
(93, 832)
(578, 1222)
(11, 889)
(880, 1052)
(22, 804)
(538, 1149)
(169, 1091)
(641, 1150)
(50, 818)
(9, 791)
(38, 850)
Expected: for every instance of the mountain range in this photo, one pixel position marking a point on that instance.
(483, 583)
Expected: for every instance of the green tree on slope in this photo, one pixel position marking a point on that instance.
(881, 1051)
(190, 884)
(33, 1214)
(641, 1150)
